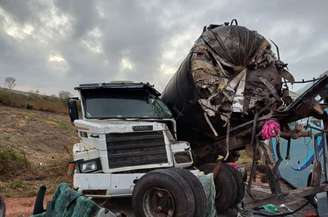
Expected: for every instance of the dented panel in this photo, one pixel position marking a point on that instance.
(230, 74)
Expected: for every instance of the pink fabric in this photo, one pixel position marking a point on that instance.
(233, 165)
(270, 128)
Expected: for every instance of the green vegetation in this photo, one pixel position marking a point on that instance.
(34, 101)
(35, 147)
(11, 162)
(16, 184)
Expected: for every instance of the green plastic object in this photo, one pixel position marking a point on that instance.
(209, 187)
(270, 208)
(68, 203)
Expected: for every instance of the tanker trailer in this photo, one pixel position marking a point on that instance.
(229, 77)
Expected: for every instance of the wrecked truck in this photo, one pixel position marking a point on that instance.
(132, 140)
(128, 148)
(230, 80)
(229, 75)
(231, 92)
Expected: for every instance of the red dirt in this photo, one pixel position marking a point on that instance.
(21, 207)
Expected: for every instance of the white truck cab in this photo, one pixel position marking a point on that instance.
(125, 130)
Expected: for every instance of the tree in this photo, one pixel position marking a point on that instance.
(64, 94)
(10, 82)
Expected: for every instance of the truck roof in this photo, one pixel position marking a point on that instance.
(119, 85)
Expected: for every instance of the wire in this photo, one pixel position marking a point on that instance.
(303, 81)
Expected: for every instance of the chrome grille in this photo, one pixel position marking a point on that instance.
(134, 149)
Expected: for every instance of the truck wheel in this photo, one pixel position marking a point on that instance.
(208, 168)
(162, 193)
(197, 188)
(240, 184)
(226, 188)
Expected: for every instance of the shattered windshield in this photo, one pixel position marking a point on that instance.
(101, 104)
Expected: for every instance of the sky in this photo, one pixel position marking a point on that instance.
(53, 45)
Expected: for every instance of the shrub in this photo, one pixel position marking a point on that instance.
(16, 184)
(11, 162)
(34, 101)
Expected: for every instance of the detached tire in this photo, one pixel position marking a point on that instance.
(197, 188)
(226, 188)
(240, 184)
(162, 193)
(239, 179)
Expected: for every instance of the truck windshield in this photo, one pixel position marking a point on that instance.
(102, 104)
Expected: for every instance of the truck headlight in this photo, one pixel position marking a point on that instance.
(89, 165)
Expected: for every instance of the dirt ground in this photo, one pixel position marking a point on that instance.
(44, 137)
(21, 207)
(45, 140)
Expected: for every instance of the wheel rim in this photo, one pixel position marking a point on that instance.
(159, 202)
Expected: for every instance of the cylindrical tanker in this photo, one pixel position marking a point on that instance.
(229, 74)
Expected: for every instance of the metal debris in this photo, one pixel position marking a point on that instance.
(229, 75)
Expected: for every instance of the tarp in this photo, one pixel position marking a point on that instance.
(69, 203)
(209, 188)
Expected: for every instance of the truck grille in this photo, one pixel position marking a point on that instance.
(134, 149)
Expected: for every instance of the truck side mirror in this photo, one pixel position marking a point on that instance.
(72, 109)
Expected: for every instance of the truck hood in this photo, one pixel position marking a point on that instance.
(119, 126)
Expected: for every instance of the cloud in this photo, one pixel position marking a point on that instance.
(54, 45)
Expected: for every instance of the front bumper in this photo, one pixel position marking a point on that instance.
(115, 185)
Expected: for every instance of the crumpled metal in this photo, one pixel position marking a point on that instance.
(222, 60)
(229, 75)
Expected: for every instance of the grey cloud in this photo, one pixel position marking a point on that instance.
(83, 12)
(141, 31)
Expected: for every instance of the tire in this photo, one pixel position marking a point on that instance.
(208, 168)
(162, 193)
(197, 188)
(226, 188)
(240, 184)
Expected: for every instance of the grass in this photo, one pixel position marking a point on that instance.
(35, 147)
(16, 184)
(18, 188)
(12, 162)
(62, 124)
(33, 101)
(28, 183)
